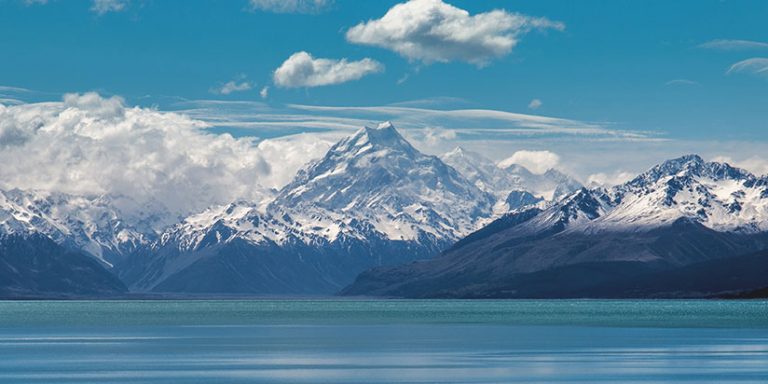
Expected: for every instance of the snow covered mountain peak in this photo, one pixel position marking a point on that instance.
(383, 136)
(713, 194)
(379, 177)
(688, 167)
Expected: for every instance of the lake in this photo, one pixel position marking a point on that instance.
(383, 341)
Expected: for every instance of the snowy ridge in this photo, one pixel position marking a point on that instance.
(243, 221)
(716, 195)
(98, 225)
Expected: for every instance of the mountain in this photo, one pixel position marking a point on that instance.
(514, 186)
(106, 227)
(679, 213)
(377, 176)
(62, 245)
(35, 266)
(372, 200)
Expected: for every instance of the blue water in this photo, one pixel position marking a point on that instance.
(384, 342)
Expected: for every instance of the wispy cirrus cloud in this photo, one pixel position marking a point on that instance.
(481, 123)
(5, 88)
(263, 120)
(301, 70)
(290, 6)
(757, 66)
(431, 31)
(733, 45)
(102, 7)
(681, 82)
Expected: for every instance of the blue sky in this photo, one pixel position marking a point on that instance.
(658, 70)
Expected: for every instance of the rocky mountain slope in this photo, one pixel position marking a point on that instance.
(35, 266)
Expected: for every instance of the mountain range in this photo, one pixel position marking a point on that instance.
(375, 216)
(616, 242)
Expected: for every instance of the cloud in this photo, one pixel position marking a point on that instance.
(733, 45)
(290, 6)
(90, 144)
(232, 86)
(535, 104)
(264, 93)
(101, 7)
(536, 161)
(35, 2)
(10, 101)
(96, 105)
(494, 133)
(602, 179)
(5, 88)
(755, 164)
(302, 70)
(432, 136)
(289, 154)
(432, 31)
(483, 123)
(756, 66)
(680, 82)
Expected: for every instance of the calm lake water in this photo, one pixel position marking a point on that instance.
(322, 341)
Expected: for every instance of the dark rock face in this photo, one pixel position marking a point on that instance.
(240, 267)
(498, 262)
(35, 266)
(521, 199)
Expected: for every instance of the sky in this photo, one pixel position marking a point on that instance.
(600, 89)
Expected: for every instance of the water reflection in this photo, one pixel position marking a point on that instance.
(381, 353)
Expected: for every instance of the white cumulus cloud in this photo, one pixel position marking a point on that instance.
(755, 164)
(290, 6)
(232, 86)
(535, 104)
(536, 161)
(90, 144)
(433, 31)
(303, 70)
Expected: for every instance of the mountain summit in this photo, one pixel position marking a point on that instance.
(373, 199)
(377, 176)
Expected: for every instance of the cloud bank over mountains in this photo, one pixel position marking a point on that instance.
(91, 144)
(208, 152)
